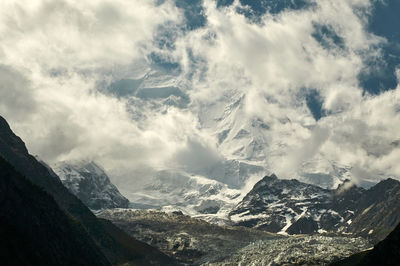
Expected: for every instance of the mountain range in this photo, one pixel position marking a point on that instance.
(43, 222)
(188, 107)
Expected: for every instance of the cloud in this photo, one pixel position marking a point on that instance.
(197, 157)
(57, 55)
(16, 94)
(278, 56)
(79, 35)
(272, 62)
(308, 149)
(235, 75)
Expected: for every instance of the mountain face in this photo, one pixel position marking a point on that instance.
(293, 207)
(90, 184)
(35, 231)
(273, 204)
(113, 243)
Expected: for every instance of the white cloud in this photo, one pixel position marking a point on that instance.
(16, 94)
(79, 35)
(298, 155)
(56, 55)
(272, 62)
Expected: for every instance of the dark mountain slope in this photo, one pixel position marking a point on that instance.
(386, 252)
(378, 210)
(34, 230)
(13, 149)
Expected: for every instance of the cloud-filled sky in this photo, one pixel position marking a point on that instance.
(298, 87)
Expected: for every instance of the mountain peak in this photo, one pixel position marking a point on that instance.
(270, 177)
(390, 181)
(3, 123)
(266, 181)
(9, 139)
(386, 184)
(90, 183)
(347, 185)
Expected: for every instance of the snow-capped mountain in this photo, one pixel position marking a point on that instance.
(293, 207)
(222, 120)
(194, 195)
(243, 148)
(273, 204)
(89, 182)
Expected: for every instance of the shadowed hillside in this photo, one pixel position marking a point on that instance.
(33, 229)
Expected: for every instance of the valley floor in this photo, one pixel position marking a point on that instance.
(196, 242)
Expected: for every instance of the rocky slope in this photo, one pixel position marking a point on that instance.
(117, 246)
(196, 242)
(90, 184)
(293, 207)
(296, 250)
(377, 210)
